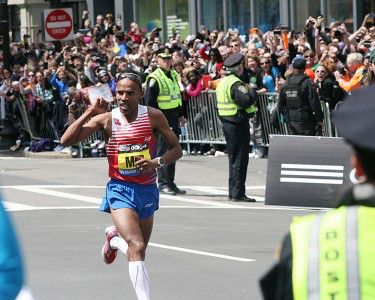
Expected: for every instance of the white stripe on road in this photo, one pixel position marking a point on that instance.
(12, 206)
(311, 173)
(57, 194)
(309, 180)
(201, 252)
(269, 207)
(58, 24)
(312, 167)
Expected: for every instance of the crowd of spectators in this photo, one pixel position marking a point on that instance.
(47, 82)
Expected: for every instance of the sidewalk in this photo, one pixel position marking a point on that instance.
(45, 154)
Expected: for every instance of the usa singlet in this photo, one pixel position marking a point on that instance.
(128, 141)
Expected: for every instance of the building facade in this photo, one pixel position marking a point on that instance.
(25, 16)
(186, 16)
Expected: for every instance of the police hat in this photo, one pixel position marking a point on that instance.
(299, 63)
(233, 60)
(355, 120)
(164, 52)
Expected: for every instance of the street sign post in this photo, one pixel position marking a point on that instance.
(58, 24)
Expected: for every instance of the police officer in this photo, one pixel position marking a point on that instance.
(332, 255)
(163, 92)
(300, 103)
(235, 105)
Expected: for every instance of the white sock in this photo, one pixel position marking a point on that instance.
(139, 277)
(119, 243)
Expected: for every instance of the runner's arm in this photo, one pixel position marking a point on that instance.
(92, 120)
(160, 123)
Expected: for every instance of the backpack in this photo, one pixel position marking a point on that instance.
(41, 145)
(294, 95)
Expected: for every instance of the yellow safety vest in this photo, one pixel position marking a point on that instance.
(225, 103)
(334, 255)
(169, 90)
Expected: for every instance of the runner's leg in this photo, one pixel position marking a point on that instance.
(136, 234)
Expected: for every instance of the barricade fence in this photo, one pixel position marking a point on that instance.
(203, 124)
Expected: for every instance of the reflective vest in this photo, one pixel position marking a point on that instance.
(225, 103)
(334, 255)
(169, 90)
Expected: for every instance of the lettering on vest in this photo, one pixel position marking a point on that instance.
(331, 255)
(332, 296)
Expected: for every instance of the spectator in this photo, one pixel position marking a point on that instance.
(268, 79)
(135, 34)
(351, 77)
(370, 76)
(328, 89)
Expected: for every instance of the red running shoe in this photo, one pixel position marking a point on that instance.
(108, 253)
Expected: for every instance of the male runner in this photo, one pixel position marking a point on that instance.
(131, 195)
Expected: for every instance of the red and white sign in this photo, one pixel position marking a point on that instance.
(58, 24)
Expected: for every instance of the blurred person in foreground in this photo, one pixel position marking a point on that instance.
(11, 264)
(131, 195)
(235, 105)
(331, 255)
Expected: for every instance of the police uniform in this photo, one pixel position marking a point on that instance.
(163, 92)
(332, 255)
(300, 103)
(235, 105)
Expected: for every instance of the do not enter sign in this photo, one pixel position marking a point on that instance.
(58, 24)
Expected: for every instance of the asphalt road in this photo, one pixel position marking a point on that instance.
(202, 246)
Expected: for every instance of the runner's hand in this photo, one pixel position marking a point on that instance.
(145, 165)
(100, 106)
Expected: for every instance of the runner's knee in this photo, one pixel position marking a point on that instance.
(137, 249)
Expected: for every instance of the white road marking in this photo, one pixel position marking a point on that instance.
(57, 194)
(12, 206)
(201, 252)
(201, 204)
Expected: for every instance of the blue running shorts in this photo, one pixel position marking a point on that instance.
(144, 199)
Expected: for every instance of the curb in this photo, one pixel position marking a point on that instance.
(22, 153)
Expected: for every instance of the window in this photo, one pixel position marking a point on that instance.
(239, 15)
(177, 12)
(212, 14)
(304, 9)
(148, 14)
(268, 14)
(340, 10)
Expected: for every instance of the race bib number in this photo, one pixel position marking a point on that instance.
(127, 155)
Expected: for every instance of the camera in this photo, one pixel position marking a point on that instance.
(367, 44)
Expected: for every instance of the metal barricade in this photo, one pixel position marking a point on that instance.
(267, 105)
(327, 123)
(203, 124)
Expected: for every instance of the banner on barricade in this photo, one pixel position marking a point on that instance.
(307, 171)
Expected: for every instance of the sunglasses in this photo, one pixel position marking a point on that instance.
(265, 63)
(132, 76)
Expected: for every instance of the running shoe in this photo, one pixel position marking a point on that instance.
(108, 253)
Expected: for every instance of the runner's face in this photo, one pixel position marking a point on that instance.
(128, 95)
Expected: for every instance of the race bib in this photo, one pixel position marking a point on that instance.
(127, 157)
